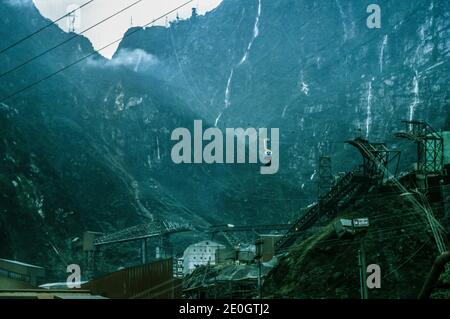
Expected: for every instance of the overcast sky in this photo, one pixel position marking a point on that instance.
(115, 28)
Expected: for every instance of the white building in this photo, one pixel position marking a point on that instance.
(200, 254)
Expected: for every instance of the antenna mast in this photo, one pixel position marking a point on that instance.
(71, 21)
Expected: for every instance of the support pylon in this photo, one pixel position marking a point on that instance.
(325, 176)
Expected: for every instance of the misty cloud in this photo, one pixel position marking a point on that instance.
(136, 60)
(19, 3)
(140, 14)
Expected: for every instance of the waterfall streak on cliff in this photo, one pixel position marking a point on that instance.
(255, 35)
(413, 106)
(369, 110)
(344, 26)
(244, 59)
(383, 48)
(218, 119)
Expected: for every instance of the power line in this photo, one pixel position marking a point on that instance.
(186, 80)
(68, 40)
(380, 230)
(43, 28)
(233, 191)
(89, 55)
(348, 243)
(409, 229)
(408, 260)
(409, 16)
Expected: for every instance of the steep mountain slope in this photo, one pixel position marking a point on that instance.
(60, 177)
(312, 68)
(398, 240)
(89, 149)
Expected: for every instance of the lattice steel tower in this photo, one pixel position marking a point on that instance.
(430, 146)
(325, 176)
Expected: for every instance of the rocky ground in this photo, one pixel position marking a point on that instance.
(398, 240)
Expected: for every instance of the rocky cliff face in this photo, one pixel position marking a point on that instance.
(90, 147)
(314, 69)
(398, 241)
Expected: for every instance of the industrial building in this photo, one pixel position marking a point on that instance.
(19, 275)
(200, 254)
(225, 281)
(150, 281)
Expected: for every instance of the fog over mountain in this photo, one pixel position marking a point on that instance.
(139, 13)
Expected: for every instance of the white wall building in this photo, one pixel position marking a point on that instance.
(200, 254)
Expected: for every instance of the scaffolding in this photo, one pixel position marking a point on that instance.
(341, 195)
(377, 158)
(430, 146)
(325, 176)
(382, 164)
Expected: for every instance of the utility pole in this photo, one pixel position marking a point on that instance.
(434, 225)
(445, 191)
(94, 261)
(144, 251)
(325, 176)
(362, 269)
(360, 227)
(259, 279)
(259, 255)
(357, 228)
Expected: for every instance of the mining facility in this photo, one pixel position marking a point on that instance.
(370, 218)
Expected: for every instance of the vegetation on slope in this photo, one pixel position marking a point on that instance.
(398, 240)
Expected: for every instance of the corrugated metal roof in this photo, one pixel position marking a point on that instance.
(20, 263)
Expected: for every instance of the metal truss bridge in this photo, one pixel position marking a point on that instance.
(140, 232)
